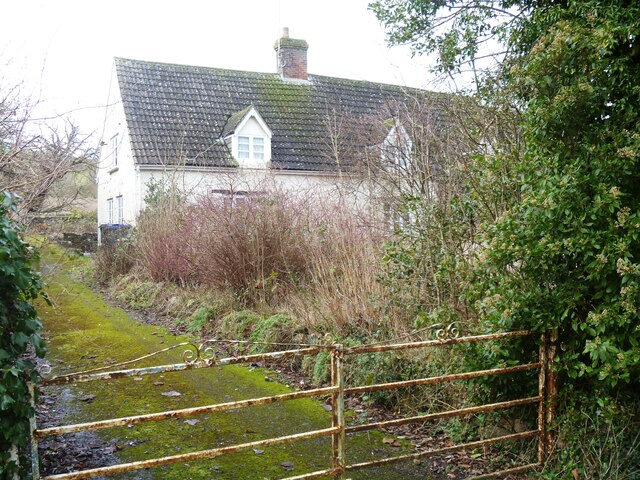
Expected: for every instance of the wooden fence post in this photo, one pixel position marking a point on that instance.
(337, 412)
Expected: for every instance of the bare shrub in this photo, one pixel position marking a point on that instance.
(113, 259)
(343, 287)
(162, 247)
(258, 246)
(297, 252)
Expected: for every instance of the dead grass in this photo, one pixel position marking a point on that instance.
(293, 253)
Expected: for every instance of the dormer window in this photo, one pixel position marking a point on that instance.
(250, 148)
(248, 138)
(396, 147)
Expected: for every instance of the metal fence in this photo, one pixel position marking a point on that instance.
(202, 356)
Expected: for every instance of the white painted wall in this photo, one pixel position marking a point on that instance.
(195, 182)
(123, 179)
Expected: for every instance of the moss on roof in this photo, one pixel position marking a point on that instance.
(234, 120)
(176, 113)
(290, 42)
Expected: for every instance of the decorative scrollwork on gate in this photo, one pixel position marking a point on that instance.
(199, 353)
(44, 369)
(442, 331)
(191, 354)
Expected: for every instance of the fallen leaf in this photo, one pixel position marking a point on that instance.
(157, 384)
(171, 393)
(87, 398)
(575, 473)
(137, 379)
(327, 407)
(258, 451)
(192, 422)
(388, 440)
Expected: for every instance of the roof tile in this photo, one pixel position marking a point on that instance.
(177, 113)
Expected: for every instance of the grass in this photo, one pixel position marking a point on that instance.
(84, 331)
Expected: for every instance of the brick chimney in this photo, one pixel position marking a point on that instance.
(292, 56)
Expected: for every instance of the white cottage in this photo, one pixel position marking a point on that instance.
(217, 131)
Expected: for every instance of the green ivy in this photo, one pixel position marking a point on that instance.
(19, 328)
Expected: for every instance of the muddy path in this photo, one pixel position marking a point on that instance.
(83, 331)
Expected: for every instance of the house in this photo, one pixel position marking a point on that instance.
(217, 131)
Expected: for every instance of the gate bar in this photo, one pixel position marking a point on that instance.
(507, 471)
(202, 454)
(433, 343)
(177, 367)
(454, 448)
(186, 412)
(443, 378)
(318, 474)
(449, 413)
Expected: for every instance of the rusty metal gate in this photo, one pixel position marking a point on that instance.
(202, 356)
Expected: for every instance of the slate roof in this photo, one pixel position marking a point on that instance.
(179, 112)
(234, 121)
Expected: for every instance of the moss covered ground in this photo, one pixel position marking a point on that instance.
(84, 332)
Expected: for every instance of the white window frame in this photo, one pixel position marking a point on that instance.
(110, 211)
(114, 150)
(258, 153)
(119, 210)
(252, 141)
(242, 153)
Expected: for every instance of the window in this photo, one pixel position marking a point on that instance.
(250, 148)
(119, 211)
(258, 148)
(243, 147)
(114, 150)
(237, 198)
(110, 210)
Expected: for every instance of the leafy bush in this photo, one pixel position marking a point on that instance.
(19, 328)
(567, 256)
(604, 436)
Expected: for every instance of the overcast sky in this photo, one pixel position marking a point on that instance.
(63, 49)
